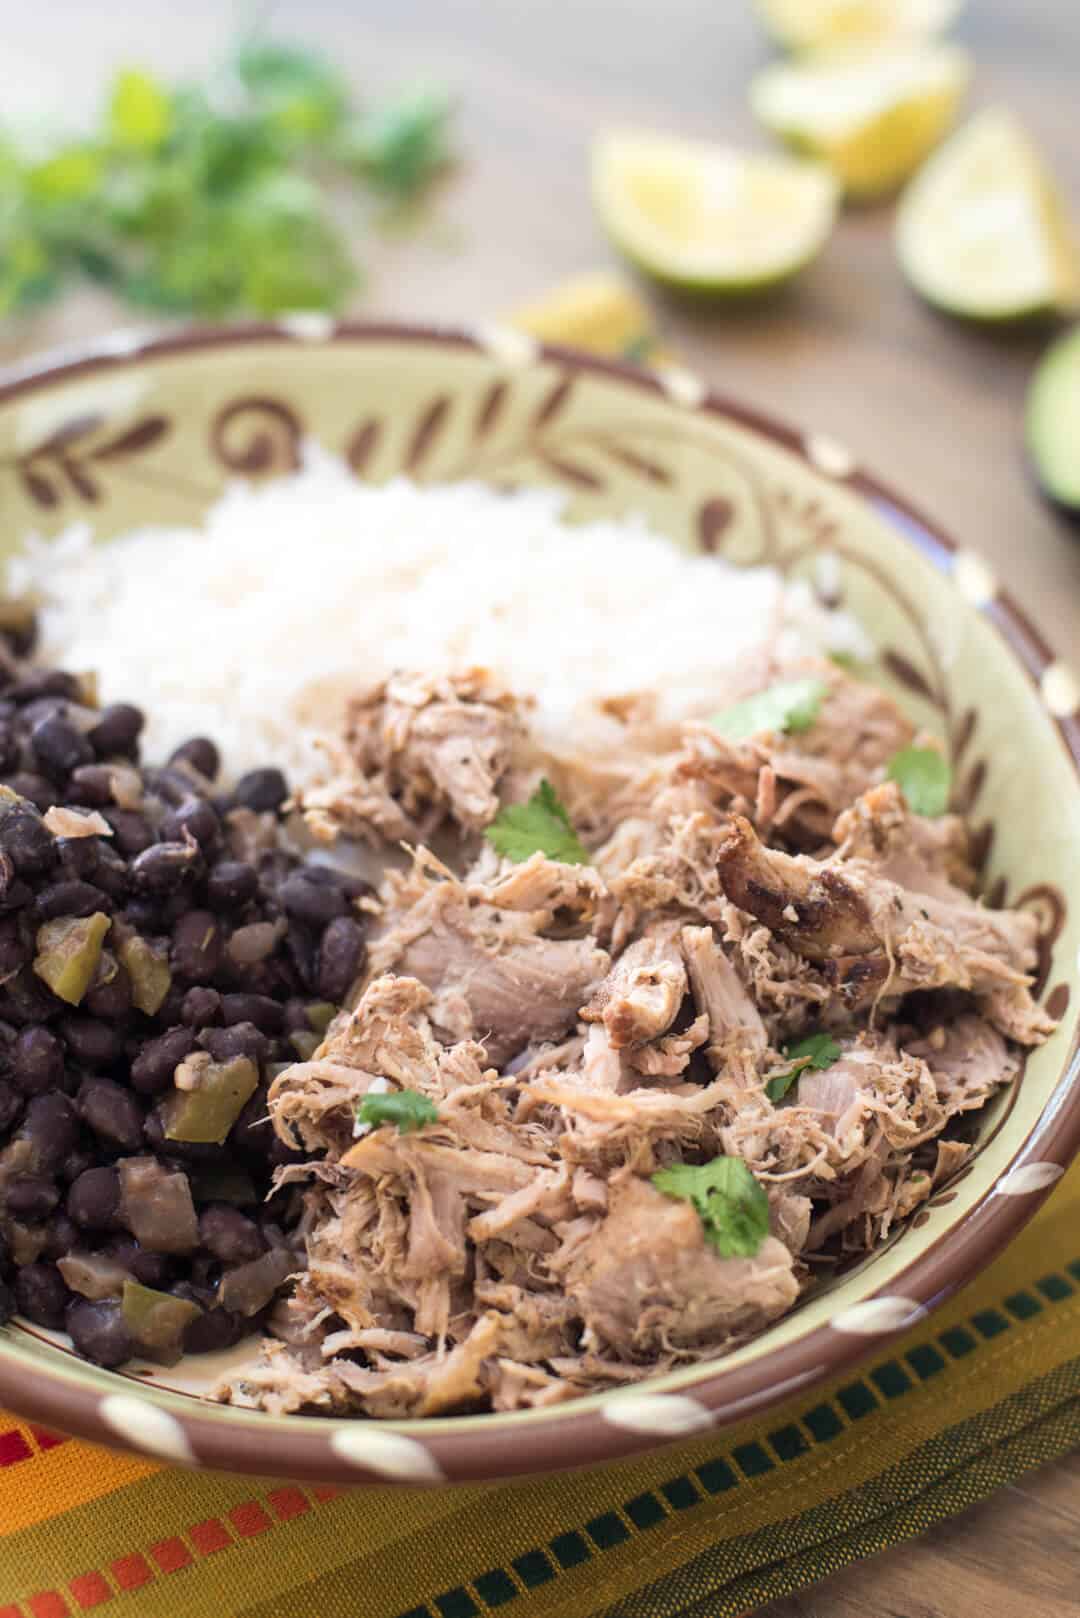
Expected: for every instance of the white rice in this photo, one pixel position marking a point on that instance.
(249, 627)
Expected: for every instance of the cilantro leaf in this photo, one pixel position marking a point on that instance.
(407, 1108)
(924, 777)
(140, 113)
(402, 143)
(732, 1206)
(790, 705)
(816, 1050)
(541, 826)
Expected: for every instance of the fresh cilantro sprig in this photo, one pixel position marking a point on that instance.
(215, 198)
(788, 706)
(407, 1108)
(924, 777)
(541, 826)
(816, 1050)
(732, 1206)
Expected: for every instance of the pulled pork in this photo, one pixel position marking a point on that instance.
(570, 1030)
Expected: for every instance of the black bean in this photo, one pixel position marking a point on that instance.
(41, 1295)
(274, 866)
(252, 1131)
(76, 1163)
(231, 883)
(171, 786)
(131, 830)
(8, 1305)
(112, 1000)
(93, 1044)
(117, 731)
(277, 1153)
(332, 876)
(295, 1019)
(152, 1269)
(72, 898)
(202, 1008)
(153, 1068)
(30, 1197)
(16, 945)
(229, 1235)
(313, 903)
(302, 948)
(161, 869)
(112, 1112)
(201, 752)
(24, 999)
(11, 1105)
(38, 792)
(143, 914)
(97, 1329)
(185, 1152)
(90, 784)
(26, 840)
(259, 1009)
(14, 893)
(244, 1039)
(261, 790)
(205, 1272)
(168, 1013)
(51, 1125)
(341, 956)
(38, 1060)
(32, 713)
(35, 683)
(9, 749)
(61, 1236)
(196, 946)
(197, 817)
(93, 1200)
(59, 746)
(213, 1330)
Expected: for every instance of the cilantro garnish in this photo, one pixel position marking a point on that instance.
(407, 1108)
(789, 706)
(816, 1050)
(924, 777)
(732, 1206)
(541, 826)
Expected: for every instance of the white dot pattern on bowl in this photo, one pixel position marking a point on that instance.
(515, 349)
(1029, 1178)
(387, 1454)
(877, 1316)
(308, 325)
(682, 387)
(830, 457)
(146, 1427)
(666, 1414)
(974, 578)
(1060, 691)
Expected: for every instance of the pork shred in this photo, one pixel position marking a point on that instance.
(576, 1028)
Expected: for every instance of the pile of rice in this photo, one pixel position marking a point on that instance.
(252, 626)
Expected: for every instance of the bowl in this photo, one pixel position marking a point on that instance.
(132, 432)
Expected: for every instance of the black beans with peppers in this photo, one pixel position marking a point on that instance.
(164, 951)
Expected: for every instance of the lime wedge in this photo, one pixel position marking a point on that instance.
(1053, 422)
(982, 230)
(596, 311)
(801, 25)
(872, 117)
(708, 219)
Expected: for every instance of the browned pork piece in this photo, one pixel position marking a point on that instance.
(873, 937)
(799, 783)
(417, 749)
(495, 973)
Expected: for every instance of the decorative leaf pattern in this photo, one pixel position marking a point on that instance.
(257, 436)
(554, 402)
(60, 459)
(426, 433)
(362, 445)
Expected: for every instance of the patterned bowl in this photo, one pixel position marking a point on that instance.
(134, 432)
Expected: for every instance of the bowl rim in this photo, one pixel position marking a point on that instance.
(578, 1433)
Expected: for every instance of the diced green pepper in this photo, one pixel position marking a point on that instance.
(320, 1014)
(223, 1185)
(305, 1045)
(207, 1111)
(249, 1287)
(147, 965)
(157, 1320)
(69, 950)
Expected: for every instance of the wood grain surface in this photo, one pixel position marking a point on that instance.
(932, 406)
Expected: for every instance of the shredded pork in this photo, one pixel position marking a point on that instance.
(575, 1029)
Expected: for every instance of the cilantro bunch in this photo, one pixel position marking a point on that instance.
(214, 199)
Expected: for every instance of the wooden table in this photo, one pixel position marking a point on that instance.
(849, 351)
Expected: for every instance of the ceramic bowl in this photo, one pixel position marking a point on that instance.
(135, 432)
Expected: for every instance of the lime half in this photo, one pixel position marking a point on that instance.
(872, 116)
(1053, 422)
(801, 25)
(706, 218)
(982, 230)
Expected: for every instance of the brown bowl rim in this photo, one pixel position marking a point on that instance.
(474, 1448)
